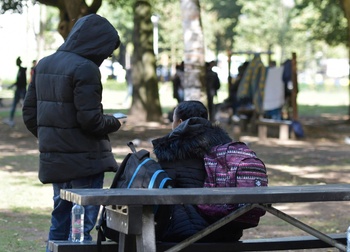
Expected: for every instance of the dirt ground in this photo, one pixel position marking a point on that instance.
(322, 156)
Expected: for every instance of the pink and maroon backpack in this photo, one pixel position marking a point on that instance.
(233, 165)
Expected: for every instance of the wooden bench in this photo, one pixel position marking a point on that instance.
(85, 246)
(141, 202)
(264, 124)
(266, 244)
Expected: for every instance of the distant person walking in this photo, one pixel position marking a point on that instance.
(213, 85)
(20, 91)
(178, 83)
(32, 70)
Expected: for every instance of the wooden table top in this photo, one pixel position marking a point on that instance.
(272, 194)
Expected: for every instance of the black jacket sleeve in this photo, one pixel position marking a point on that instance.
(29, 110)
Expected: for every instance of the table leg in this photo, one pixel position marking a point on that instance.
(284, 132)
(121, 242)
(262, 132)
(303, 227)
(146, 241)
(126, 242)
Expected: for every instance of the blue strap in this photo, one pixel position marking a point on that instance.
(154, 177)
(137, 170)
(163, 182)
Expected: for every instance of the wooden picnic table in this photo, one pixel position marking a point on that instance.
(262, 197)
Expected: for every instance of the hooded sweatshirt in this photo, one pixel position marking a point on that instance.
(63, 106)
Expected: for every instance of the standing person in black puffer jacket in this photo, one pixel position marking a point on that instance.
(63, 110)
(181, 153)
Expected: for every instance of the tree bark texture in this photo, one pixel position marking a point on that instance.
(145, 104)
(194, 57)
(71, 11)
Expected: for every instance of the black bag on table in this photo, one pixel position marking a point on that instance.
(138, 170)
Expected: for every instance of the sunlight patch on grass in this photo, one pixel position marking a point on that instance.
(19, 163)
(23, 189)
(314, 98)
(308, 174)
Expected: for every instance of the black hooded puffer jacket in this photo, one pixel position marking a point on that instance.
(63, 106)
(181, 154)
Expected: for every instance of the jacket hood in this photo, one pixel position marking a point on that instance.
(193, 138)
(92, 37)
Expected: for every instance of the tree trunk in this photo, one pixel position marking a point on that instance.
(71, 11)
(145, 104)
(346, 8)
(194, 57)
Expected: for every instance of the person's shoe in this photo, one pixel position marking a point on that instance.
(9, 122)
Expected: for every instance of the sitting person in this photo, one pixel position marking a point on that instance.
(181, 154)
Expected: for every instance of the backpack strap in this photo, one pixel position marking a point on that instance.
(131, 146)
(100, 236)
(141, 154)
(120, 171)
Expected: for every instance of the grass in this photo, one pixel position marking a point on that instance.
(318, 110)
(317, 101)
(26, 203)
(23, 229)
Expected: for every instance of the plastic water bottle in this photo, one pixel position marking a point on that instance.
(348, 240)
(78, 223)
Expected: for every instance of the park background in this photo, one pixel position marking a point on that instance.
(320, 157)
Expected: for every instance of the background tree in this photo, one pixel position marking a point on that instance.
(265, 26)
(122, 19)
(194, 54)
(221, 23)
(170, 42)
(223, 20)
(70, 10)
(217, 17)
(145, 103)
(330, 22)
